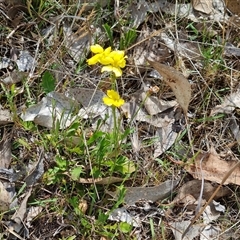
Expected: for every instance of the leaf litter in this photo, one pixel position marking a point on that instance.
(143, 108)
(52, 108)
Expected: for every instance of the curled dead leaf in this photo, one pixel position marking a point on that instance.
(211, 167)
(177, 82)
(190, 192)
(204, 6)
(83, 206)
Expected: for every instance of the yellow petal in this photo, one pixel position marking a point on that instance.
(107, 69)
(93, 60)
(117, 71)
(107, 51)
(119, 58)
(107, 101)
(96, 48)
(117, 54)
(122, 63)
(113, 99)
(113, 94)
(106, 60)
(119, 103)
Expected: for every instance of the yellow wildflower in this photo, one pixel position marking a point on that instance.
(113, 99)
(100, 54)
(115, 61)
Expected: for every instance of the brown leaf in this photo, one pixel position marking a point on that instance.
(211, 167)
(83, 206)
(178, 83)
(19, 215)
(204, 6)
(5, 198)
(233, 6)
(191, 191)
(5, 146)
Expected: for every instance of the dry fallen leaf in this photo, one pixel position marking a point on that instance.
(204, 6)
(5, 198)
(191, 191)
(52, 108)
(230, 102)
(213, 211)
(234, 127)
(178, 83)
(83, 206)
(211, 167)
(32, 213)
(233, 6)
(20, 213)
(166, 138)
(178, 229)
(5, 147)
(122, 215)
(159, 192)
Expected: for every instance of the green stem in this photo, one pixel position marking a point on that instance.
(115, 132)
(113, 78)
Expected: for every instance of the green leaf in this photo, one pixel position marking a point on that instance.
(125, 227)
(128, 167)
(71, 238)
(75, 173)
(62, 163)
(128, 39)
(109, 33)
(48, 82)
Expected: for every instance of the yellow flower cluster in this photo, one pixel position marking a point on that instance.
(113, 61)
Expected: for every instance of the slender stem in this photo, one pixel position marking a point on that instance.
(113, 78)
(115, 132)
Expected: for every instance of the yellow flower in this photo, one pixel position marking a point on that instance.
(118, 58)
(100, 54)
(115, 61)
(113, 99)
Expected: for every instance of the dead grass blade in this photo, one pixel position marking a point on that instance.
(177, 82)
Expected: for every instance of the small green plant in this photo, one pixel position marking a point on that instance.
(109, 33)
(94, 156)
(11, 94)
(48, 82)
(127, 39)
(213, 57)
(194, 34)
